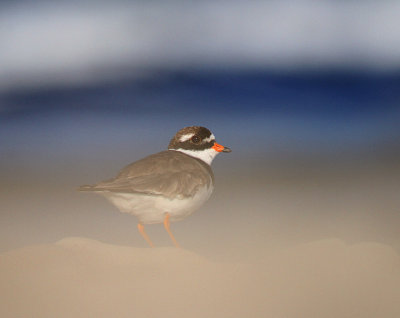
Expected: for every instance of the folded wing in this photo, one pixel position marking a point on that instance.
(168, 173)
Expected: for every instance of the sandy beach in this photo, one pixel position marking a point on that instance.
(276, 239)
(80, 277)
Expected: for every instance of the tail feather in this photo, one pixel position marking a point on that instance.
(87, 187)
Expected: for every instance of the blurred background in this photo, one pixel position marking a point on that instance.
(305, 93)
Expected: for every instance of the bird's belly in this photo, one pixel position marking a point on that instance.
(152, 208)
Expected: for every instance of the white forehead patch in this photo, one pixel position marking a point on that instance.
(212, 137)
(186, 137)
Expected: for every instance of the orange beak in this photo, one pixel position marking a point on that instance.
(220, 148)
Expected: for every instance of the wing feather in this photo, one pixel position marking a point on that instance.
(168, 173)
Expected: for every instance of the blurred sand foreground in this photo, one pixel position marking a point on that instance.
(79, 277)
(277, 240)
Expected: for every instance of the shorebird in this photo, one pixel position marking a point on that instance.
(167, 186)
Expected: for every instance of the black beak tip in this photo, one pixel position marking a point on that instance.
(226, 149)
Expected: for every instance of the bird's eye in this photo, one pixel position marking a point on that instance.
(196, 139)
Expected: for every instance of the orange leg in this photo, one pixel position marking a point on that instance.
(166, 225)
(146, 237)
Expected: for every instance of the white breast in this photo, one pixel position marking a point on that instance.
(152, 208)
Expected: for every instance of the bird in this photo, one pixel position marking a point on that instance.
(166, 186)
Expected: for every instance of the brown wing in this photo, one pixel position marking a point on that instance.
(169, 173)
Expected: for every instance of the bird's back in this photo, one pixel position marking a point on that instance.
(168, 173)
